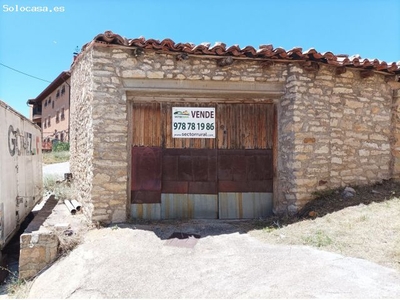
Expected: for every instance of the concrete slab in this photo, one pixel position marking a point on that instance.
(135, 262)
(56, 169)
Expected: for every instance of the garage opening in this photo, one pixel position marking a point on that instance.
(179, 172)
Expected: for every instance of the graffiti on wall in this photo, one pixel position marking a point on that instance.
(21, 143)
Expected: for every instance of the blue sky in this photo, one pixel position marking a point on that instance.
(42, 44)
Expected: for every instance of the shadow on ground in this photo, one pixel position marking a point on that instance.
(183, 229)
(326, 202)
(333, 200)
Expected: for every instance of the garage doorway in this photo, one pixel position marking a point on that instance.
(228, 176)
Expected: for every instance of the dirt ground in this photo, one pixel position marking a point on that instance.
(272, 258)
(364, 226)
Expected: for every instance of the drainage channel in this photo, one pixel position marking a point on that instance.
(10, 254)
(9, 270)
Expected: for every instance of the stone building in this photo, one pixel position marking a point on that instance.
(50, 110)
(285, 124)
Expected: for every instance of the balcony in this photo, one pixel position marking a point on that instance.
(37, 110)
(37, 114)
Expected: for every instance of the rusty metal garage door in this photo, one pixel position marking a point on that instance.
(229, 176)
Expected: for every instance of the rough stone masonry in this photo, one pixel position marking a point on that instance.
(334, 128)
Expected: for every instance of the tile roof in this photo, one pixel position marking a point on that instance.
(263, 52)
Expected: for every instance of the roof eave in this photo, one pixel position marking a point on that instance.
(64, 76)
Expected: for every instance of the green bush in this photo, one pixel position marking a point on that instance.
(61, 146)
(55, 157)
(53, 184)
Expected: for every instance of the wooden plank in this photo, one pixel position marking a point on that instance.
(167, 123)
(145, 128)
(264, 132)
(267, 120)
(161, 124)
(234, 125)
(262, 127)
(224, 140)
(229, 127)
(237, 124)
(270, 126)
(248, 126)
(152, 121)
(148, 126)
(158, 127)
(220, 126)
(134, 125)
(258, 128)
(140, 126)
(244, 128)
(141, 131)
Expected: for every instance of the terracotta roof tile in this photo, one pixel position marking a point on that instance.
(264, 52)
(219, 48)
(296, 53)
(280, 52)
(343, 60)
(233, 50)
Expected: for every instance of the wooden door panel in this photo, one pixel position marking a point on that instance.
(238, 162)
(146, 174)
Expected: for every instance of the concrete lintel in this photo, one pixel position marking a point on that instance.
(165, 86)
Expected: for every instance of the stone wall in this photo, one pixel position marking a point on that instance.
(99, 104)
(333, 129)
(396, 130)
(342, 132)
(38, 245)
(81, 132)
(53, 231)
(37, 251)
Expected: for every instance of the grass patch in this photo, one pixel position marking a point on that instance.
(365, 226)
(61, 190)
(60, 146)
(319, 239)
(18, 288)
(14, 287)
(55, 157)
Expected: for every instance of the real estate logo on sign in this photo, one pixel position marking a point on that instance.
(193, 122)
